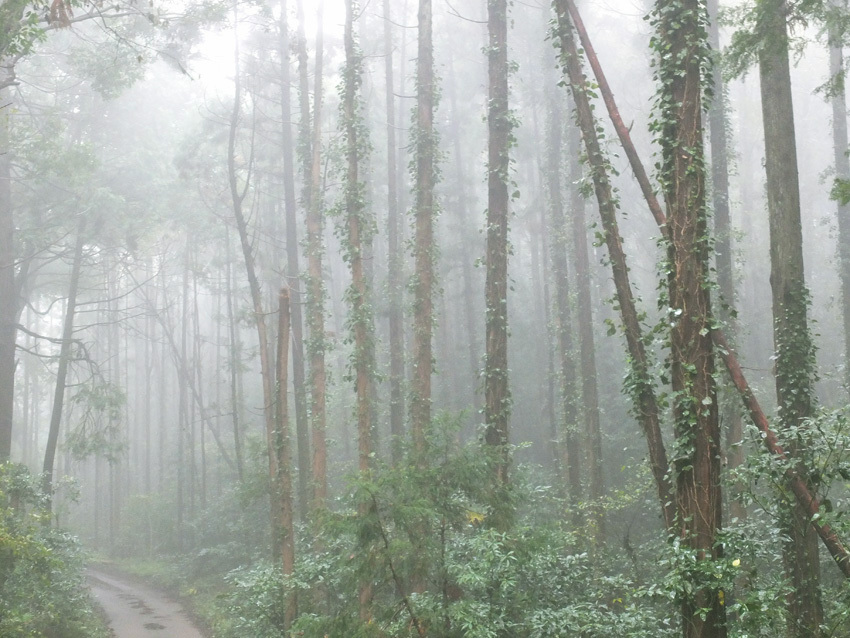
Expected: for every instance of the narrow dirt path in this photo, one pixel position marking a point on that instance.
(137, 611)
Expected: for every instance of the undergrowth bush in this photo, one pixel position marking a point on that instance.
(42, 587)
(436, 561)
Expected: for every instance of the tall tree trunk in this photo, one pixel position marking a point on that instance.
(718, 129)
(266, 367)
(423, 247)
(183, 416)
(838, 101)
(587, 345)
(282, 453)
(235, 356)
(358, 229)
(314, 281)
(395, 257)
(497, 400)
(302, 432)
(566, 440)
(64, 361)
(148, 344)
(683, 49)
(471, 318)
(793, 345)
(8, 291)
(641, 386)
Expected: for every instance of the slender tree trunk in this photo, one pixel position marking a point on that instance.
(198, 367)
(566, 440)
(497, 401)
(315, 283)
(423, 248)
(266, 367)
(587, 345)
(282, 453)
(235, 364)
(641, 386)
(838, 100)
(147, 414)
(302, 431)
(794, 349)
(358, 231)
(395, 257)
(471, 318)
(64, 361)
(8, 290)
(161, 408)
(695, 408)
(719, 128)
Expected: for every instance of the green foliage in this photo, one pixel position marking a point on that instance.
(435, 558)
(840, 191)
(42, 591)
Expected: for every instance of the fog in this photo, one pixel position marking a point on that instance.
(170, 170)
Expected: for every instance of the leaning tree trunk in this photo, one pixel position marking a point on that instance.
(792, 340)
(798, 486)
(641, 386)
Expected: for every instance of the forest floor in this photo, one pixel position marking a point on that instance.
(135, 610)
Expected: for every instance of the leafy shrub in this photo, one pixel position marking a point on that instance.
(42, 588)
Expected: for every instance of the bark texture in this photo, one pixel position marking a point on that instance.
(315, 284)
(497, 401)
(423, 248)
(695, 407)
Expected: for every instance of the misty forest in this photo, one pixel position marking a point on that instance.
(424, 318)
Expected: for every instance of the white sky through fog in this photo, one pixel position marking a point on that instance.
(213, 64)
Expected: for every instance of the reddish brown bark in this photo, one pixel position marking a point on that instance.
(423, 249)
(694, 398)
(497, 401)
(315, 287)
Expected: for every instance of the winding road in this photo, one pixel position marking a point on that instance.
(137, 611)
